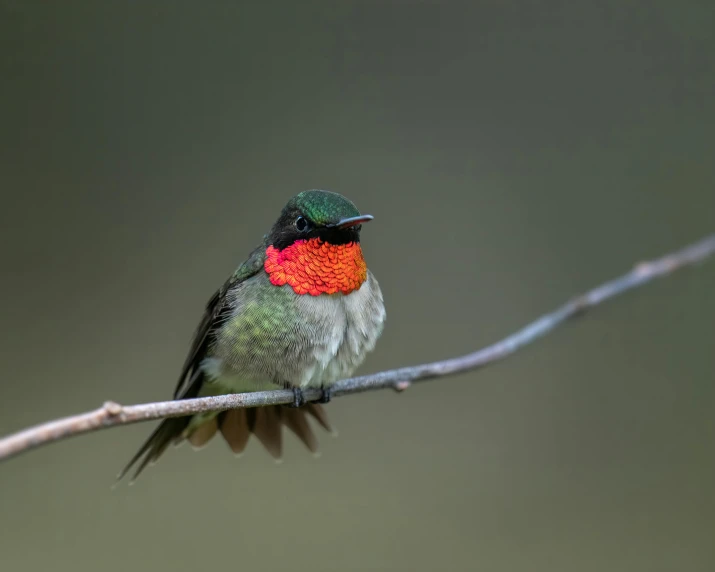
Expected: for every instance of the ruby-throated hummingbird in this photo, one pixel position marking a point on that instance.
(301, 312)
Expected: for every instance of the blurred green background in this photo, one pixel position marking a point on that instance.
(513, 154)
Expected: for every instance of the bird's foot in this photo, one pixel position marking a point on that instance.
(298, 398)
(324, 396)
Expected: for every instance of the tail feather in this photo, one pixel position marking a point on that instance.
(236, 426)
(235, 429)
(203, 433)
(297, 422)
(318, 413)
(267, 427)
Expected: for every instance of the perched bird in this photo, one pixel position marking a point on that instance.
(301, 312)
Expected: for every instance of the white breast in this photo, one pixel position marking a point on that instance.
(346, 328)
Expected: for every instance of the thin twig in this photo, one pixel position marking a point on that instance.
(112, 414)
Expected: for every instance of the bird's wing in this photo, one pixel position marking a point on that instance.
(217, 311)
(191, 379)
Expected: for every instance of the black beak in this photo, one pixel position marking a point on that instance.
(352, 221)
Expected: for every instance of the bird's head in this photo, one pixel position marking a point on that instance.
(315, 214)
(315, 245)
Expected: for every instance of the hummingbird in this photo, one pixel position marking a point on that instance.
(301, 312)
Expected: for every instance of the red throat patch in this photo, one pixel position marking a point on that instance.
(315, 267)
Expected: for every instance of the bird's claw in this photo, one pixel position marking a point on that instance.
(324, 396)
(298, 398)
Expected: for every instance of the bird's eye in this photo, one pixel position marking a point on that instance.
(301, 224)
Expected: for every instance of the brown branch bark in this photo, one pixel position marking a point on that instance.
(112, 414)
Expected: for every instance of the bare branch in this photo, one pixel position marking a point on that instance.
(112, 414)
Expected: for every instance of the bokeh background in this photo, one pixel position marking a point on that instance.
(513, 154)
